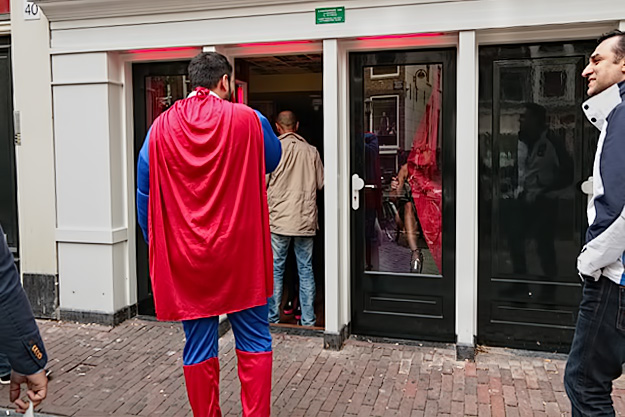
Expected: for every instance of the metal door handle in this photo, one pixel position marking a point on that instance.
(371, 186)
(357, 185)
(587, 186)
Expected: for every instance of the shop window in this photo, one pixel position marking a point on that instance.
(385, 71)
(383, 121)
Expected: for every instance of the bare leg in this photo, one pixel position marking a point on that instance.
(410, 220)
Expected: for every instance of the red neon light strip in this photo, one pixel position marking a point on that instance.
(176, 49)
(279, 43)
(403, 36)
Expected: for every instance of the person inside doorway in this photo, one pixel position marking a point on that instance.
(292, 196)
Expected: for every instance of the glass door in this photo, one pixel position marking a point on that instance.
(403, 156)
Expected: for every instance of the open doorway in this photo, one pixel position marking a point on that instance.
(272, 84)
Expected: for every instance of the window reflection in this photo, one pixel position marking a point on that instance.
(161, 92)
(530, 160)
(403, 185)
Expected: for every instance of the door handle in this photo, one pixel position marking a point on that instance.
(371, 186)
(587, 186)
(357, 185)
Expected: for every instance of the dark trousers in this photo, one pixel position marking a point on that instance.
(598, 349)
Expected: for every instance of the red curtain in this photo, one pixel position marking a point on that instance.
(5, 6)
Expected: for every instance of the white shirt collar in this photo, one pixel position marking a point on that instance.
(211, 93)
(597, 108)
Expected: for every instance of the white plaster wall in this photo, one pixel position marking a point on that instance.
(157, 31)
(35, 157)
(92, 182)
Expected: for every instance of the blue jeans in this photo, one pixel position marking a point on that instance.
(5, 366)
(303, 254)
(598, 348)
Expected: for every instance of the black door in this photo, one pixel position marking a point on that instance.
(8, 189)
(535, 149)
(403, 221)
(156, 86)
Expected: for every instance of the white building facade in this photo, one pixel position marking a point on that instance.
(472, 64)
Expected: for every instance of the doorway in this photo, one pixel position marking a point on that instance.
(403, 221)
(156, 86)
(535, 149)
(292, 82)
(268, 84)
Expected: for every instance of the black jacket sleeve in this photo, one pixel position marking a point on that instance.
(20, 340)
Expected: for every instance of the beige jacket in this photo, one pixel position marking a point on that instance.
(292, 188)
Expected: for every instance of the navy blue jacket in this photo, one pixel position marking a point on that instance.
(604, 252)
(20, 340)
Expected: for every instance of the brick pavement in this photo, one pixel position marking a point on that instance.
(135, 370)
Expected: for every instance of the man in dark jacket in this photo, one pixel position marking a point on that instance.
(598, 349)
(20, 340)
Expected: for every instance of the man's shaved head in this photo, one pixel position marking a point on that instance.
(287, 120)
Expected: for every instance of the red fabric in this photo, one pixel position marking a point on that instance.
(424, 175)
(208, 222)
(255, 377)
(202, 380)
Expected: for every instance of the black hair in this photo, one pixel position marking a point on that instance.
(207, 68)
(619, 48)
(538, 111)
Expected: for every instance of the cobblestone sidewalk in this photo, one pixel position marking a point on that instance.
(135, 370)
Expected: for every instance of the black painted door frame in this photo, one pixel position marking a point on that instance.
(395, 288)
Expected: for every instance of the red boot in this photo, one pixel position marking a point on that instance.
(255, 377)
(202, 381)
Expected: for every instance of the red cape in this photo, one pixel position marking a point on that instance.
(208, 223)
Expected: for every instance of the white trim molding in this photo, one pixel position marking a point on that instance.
(467, 189)
(99, 237)
(64, 10)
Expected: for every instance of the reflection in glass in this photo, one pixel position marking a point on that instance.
(530, 158)
(161, 92)
(403, 186)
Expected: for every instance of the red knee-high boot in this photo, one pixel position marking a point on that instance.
(202, 381)
(255, 377)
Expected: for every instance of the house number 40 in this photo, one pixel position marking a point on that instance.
(31, 11)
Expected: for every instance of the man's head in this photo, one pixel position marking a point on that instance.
(287, 122)
(532, 122)
(213, 71)
(606, 66)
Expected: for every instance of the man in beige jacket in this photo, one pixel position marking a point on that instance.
(292, 196)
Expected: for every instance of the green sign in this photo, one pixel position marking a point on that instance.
(330, 15)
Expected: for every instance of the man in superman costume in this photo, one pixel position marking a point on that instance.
(202, 206)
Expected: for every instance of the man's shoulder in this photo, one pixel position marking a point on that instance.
(616, 118)
(243, 110)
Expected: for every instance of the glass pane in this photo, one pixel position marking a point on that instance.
(161, 92)
(403, 187)
(534, 210)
